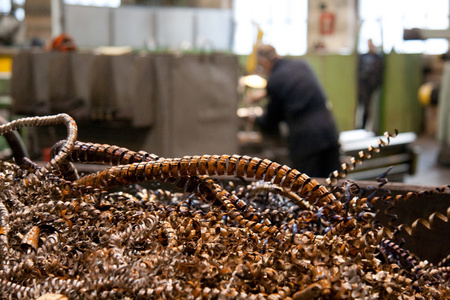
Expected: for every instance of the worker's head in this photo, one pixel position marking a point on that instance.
(267, 56)
(371, 46)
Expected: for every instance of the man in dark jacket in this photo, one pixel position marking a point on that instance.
(370, 77)
(296, 97)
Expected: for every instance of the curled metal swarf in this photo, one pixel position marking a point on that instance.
(201, 226)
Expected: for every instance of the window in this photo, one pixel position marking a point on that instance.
(103, 3)
(284, 23)
(384, 21)
(5, 6)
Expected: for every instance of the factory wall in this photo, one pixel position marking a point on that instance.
(332, 26)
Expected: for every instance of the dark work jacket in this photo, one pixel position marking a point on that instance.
(295, 96)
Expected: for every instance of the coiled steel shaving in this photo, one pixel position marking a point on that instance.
(277, 235)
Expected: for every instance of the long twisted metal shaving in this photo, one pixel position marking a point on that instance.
(242, 166)
(427, 223)
(362, 156)
(94, 153)
(235, 165)
(66, 148)
(396, 254)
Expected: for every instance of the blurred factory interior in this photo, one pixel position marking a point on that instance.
(171, 76)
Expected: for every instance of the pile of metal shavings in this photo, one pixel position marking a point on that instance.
(141, 243)
(107, 235)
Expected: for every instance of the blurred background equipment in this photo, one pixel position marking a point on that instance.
(120, 41)
(9, 28)
(63, 42)
(444, 90)
(154, 96)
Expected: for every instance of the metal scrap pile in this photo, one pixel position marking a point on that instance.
(278, 235)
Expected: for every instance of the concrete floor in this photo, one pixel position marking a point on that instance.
(429, 172)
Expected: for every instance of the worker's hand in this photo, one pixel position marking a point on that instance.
(255, 96)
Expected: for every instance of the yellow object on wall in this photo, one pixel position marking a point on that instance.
(425, 92)
(5, 64)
